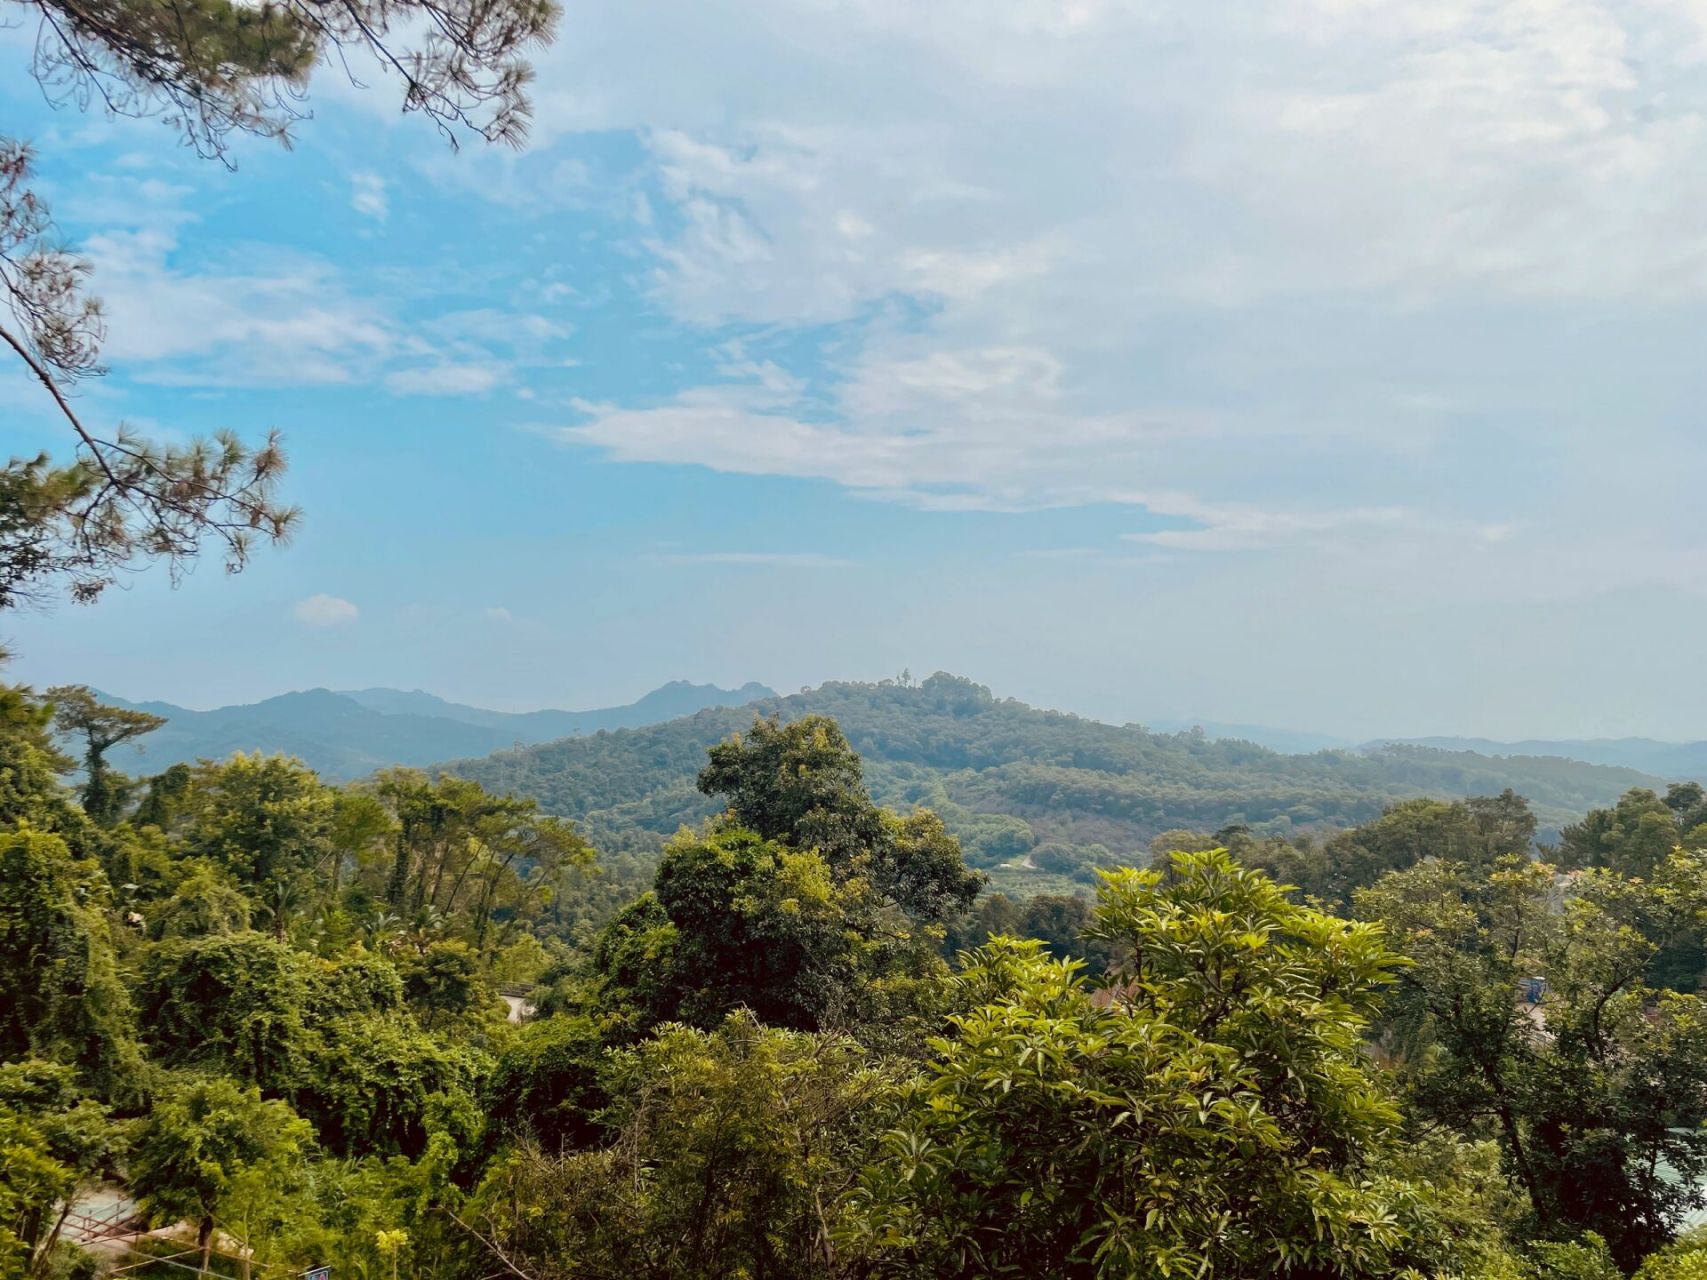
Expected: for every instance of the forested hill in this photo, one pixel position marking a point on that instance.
(345, 735)
(1009, 778)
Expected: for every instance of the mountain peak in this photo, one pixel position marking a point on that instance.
(347, 733)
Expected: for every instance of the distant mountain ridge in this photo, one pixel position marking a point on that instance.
(1671, 760)
(1009, 778)
(347, 735)
(667, 702)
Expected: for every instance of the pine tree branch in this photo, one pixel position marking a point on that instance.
(41, 372)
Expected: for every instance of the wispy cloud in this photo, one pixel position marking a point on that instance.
(444, 380)
(325, 611)
(368, 196)
(1236, 528)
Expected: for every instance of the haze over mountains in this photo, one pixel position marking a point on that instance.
(1674, 760)
(344, 735)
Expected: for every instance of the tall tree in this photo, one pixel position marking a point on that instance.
(266, 819)
(1597, 1090)
(199, 1140)
(802, 784)
(465, 858)
(799, 782)
(79, 713)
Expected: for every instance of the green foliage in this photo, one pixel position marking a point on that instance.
(826, 917)
(916, 864)
(444, 981)
(799, 783)
(1685, 1259)
(1585, 1259)
(265, 819)
(78, 713)
(32, 1184)
(634, 958)
(755, 924)
(358, 982)
(30, 765)
(546, 1087)
(1473, 831)
(1632, 837)
(763, 1066)
(229, 1003)
(729, 1152)
(802, 785)
(54, 1142)
(199, 1141)
(458, 847)
(163, 797)
(206, 901)
(371, 1082)
(1056, 920)
(1597, 1094)
(60, 991)
(1212, 1114)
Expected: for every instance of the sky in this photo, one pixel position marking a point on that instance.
(1329, 364)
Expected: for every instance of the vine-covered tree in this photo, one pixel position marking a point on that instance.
(79, 714)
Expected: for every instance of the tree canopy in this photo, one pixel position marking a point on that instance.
(415, 1024)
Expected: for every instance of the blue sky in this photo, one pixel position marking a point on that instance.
(1323, 363)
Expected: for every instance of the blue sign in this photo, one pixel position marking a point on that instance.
(319, 1273)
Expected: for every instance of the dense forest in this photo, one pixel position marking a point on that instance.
(1034, 796)
(263, 1013)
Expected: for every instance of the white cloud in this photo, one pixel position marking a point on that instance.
(325, 611)
(368, 196)
(444, 380)
(276, 319)
(986, 429)
(1530, 147)
(1234, 528)
(1309, 273)
(497, 613)
(258, 315)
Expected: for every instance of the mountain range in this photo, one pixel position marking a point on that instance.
(1011, 780)
(345, 735)
(1017, 783)
(1675, 760)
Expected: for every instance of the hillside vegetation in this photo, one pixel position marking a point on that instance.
(1013, 781)
(265, 1009)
